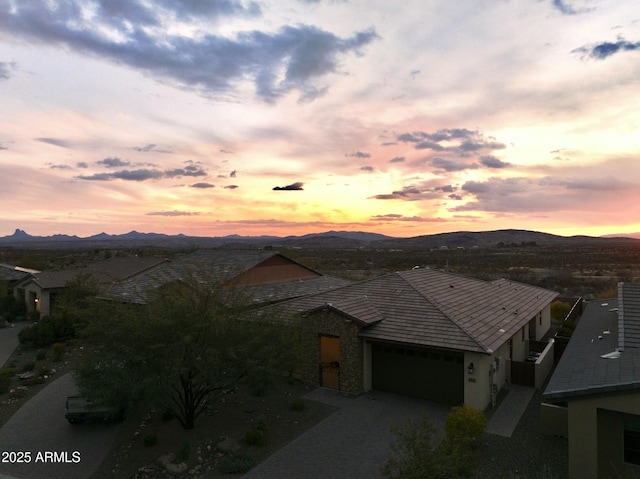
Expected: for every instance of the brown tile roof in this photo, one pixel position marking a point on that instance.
(222, 266)
(433, 308)
(104, 273)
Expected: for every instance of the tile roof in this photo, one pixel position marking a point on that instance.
(14, 273)
(104, 273)
(222, 266)
(582, 369)
(433, 308)
(629, 324)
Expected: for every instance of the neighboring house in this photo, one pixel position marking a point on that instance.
(263, 277)
(40, 289)
(594, 394)
(421, 333)
(10, 276)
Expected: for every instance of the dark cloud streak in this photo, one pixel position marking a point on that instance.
(207, 63)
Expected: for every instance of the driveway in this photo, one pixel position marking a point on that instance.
(39, 427)
(352, 443)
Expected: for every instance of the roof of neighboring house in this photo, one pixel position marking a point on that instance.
(222, 266)
(433, 308)
(14, 273)
(104, 273)
(605, 327)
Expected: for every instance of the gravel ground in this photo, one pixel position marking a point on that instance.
(525, 455)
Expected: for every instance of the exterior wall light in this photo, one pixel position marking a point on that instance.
(470, 368)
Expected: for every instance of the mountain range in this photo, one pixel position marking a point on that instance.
(328, 239)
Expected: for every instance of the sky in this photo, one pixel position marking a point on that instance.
(288, 117)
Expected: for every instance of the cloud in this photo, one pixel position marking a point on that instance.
(493, 162)
(231, 187)
(233, 174)
(566, 9)
(5, 70)
(54, 142)
(82, 164)
(548, 193)
(293, 187)
(600, 51)
(367, 168)
(291, 59)
(189, 170)
(359, 154)
(397, 159)
(113, 162)
(456, 141)
(142, 174)
(202, 185)
(450, 165)
(60, 167)
(173, 213)
(396, 217)
(149, 147)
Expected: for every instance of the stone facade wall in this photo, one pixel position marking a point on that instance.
(330, 323)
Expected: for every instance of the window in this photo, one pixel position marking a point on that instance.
(631, 439)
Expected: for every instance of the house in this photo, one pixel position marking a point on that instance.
(421, 333)
(41, 289)
(593, 396)
(11, 275)
(263, 277)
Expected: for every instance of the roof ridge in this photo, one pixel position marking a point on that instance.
(435, 304)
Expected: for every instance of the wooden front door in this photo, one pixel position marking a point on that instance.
(330, 362)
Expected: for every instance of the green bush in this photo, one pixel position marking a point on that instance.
(5, 382)
(150, 439)
(41, 354)
(236, 463)
(28, 366)
(297, 404)
(184, 452)
(59, 350)
(8, 372)
(254, 436)
(465, 425)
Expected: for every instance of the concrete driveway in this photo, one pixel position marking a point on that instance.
(39, 427)
(352, 443)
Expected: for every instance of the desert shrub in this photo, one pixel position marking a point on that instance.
(184, 452)
(28, 366)
(297, 404)
(416, 454)
(41, 354)
(168, 414)
(5, 382)
(254, 436)
(262, 423)
(150, 439)
(465, 424)
(259, 384)
(8, 372)
(59, 350)
(236, 463)
(44, 369)
(560, 310)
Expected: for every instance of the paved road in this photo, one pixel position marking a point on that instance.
(39, 427)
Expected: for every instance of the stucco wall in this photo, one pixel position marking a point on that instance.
(595, 452)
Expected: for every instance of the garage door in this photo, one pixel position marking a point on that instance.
(422, 373)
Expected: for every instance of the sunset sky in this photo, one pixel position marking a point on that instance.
(217, 117)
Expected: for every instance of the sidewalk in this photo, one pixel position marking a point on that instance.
(505, 419)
